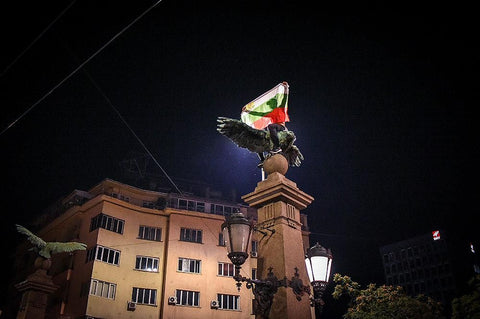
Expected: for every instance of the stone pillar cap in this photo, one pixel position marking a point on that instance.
(277, 187)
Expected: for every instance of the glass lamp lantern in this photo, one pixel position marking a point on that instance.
(236, 233)
(319, 263)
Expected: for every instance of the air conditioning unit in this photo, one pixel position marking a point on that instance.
(172, 300)
(214, 304)
(131, 306)
(253, 254)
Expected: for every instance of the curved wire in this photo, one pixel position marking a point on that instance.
(79, 67)
(36, 39)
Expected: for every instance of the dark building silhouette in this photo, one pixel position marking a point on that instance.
(425, 264)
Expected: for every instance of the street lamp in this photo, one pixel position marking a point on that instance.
(237, 232)
(319, 263)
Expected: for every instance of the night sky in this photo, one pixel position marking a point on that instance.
(382, 105)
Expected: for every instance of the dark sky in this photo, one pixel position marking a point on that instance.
(382, 105)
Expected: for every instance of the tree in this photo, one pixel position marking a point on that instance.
(384, 302)
(468, 305)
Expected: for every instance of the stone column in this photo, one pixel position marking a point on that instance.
(36, 289)
(279, 201)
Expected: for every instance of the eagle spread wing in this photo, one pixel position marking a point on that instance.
(37, 241)
(254, 140)
(259, 141)
(46, 249)
(56, 247)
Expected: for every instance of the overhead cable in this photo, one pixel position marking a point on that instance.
(36, 39)
(131, 130)
(79, 67)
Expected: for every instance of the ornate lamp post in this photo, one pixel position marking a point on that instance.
(319, 263)
(237, 231)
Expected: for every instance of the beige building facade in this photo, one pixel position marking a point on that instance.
(149, 255)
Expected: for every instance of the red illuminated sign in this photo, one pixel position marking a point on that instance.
(436, 234)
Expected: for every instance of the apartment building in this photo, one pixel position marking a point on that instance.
(149, 255)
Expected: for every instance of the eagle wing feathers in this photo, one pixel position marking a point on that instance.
(259, 141)
(34, 239)
(57, 247)
(245, 136)
(45, 249)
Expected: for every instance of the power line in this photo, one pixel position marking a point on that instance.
(131, 130)
(79, 67)
(36, 39)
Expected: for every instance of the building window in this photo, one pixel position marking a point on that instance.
(188, 298)
(148, 204)
(221, 240)
(144, 296)
(146, 263)
(226, 269)
(102, 289)
(182, 204)
(150, 233)
(107, 222)
(224, 210)
(187, 204)
(254, 273)
(124, 198)
(254, 252)
(191, 235)
(189, 265)
(230, 302)
(108, 255)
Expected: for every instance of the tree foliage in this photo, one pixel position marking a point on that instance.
(468, 305)
(384, 302)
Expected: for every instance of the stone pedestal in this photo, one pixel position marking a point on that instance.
(279, 202)
(36, 290)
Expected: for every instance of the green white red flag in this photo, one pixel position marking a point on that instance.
(270, 107)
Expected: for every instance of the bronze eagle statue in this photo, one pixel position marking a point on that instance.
(46, 249)
(260, 141)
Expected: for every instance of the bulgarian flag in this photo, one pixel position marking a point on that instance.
(270, 107)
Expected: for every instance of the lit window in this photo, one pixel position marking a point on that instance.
(146, 263)
(189, 265)
(102, 289)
